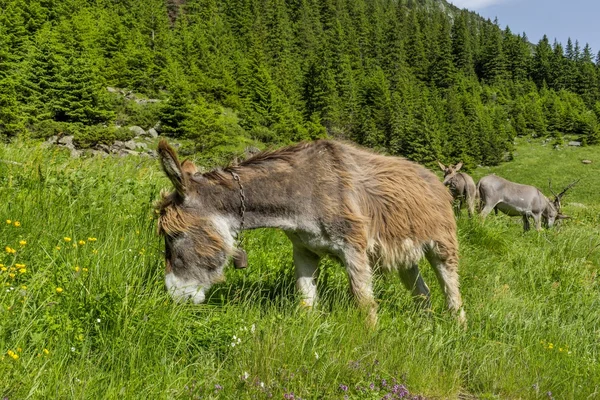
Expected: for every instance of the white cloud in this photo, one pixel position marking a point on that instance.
(476, 4)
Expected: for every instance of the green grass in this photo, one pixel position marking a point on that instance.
(532, 300)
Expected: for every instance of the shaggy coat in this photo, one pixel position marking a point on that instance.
(329, 197)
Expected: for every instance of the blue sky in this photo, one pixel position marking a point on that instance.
(560, 19)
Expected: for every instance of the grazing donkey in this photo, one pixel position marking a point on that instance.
(328, 197)
(461, 186)
(515, 199)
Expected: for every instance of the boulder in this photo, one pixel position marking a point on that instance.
(137, 130)
(158, 127)
(126, 152)
(130, 145)
(66, 141)
(102, 147)
(153, 132)
(574, 143)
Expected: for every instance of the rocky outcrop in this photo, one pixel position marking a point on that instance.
(133, 147)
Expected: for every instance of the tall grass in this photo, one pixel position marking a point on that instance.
(86, 226)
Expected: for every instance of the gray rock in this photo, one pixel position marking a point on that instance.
(574, 143)
(140, 145)
(66, 141)
(586, 161)
(111, 89)
(130, 145)
(147, 101)
(153, 132)
(158, 127)
(138, 131)
(118, 144)
(126, 152)
(102, 147)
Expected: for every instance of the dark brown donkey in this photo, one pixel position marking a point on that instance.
(329, 197)
(461, 185)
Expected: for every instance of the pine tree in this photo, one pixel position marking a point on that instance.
(542, 69)
(442, 71)
(461, 45)
(493, 60)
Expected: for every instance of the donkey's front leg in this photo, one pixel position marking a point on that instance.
(361, 281)
(307, 264)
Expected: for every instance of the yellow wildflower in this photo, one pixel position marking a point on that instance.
(77, 268)
(57, 247)
(19, 349)
(46, 352)
(94, 251)
(92, 239)
(85, 270)
(67, 239)
(81, 242)
(20, 265)
(74, 244)
(10, 250)
(59, 290)
(8, 221)
(12, 355)
(22, 242)
(23, 270)
(24, 287)
(17, 224)
(12, 275)
(3, 268)
(550, 346)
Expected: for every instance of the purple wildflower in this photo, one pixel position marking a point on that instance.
(218, 387)
(289, 396)
(383, 383)
(400, 391)
(343, 387)
(372, 386)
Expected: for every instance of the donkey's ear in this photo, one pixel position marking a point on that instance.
(171, 166)
(458, 166)
(562, 216)
(442, 167)
(189, 167)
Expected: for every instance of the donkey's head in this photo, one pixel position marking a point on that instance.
(198, 239)
(553, 210)
(450, 171)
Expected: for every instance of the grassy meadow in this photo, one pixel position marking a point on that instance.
(84, 312)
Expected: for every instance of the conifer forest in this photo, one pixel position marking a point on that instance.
(417, 78)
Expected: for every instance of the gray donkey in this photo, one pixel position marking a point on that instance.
(461, 185)
(329, 197)
(515, 199)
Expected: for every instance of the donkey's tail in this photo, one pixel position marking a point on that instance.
(479, 197)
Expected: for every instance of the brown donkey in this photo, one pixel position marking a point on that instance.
(329, 197)
(461, 185)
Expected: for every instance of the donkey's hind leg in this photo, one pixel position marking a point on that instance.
(413, 281)
(307, 264)
(445, 265)
(361, 281)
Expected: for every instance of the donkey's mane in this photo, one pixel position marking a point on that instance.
(284, 154)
